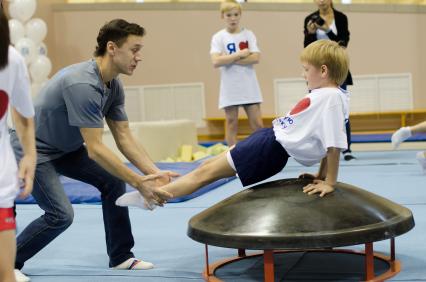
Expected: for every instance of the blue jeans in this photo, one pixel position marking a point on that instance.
(50, 196)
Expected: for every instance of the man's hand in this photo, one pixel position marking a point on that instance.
(165, 177)
(148, 187)
(318, 186)
(26, 175)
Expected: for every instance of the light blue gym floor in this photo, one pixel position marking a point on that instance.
(79, 254)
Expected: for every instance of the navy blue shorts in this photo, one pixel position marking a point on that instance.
(258, 157)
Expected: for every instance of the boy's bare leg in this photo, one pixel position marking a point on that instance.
(254, 116)
(206, 173)
(7, 255)
(209, 171)
(231, 115)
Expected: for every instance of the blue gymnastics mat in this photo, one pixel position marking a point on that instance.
(82, 193)
(384, 137)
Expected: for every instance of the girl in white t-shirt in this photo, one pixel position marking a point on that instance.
(312, 132)
(234, 50)
(14, 91)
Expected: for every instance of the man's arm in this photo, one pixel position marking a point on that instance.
(329, 169)
(131, 149)
(110, 162)
(25, 131)
(135, 152)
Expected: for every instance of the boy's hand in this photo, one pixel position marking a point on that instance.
(318, 186)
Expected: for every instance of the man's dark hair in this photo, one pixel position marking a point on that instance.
(4, 39)
(116, 31)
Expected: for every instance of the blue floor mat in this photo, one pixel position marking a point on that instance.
(80, 192)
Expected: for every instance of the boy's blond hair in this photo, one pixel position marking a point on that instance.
(331, 54)
(228, 5)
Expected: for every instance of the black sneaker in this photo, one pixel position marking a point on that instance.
(348, 156)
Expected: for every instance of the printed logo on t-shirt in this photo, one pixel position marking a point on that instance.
(301, 106)
(283, 122)
(4, 103)
(243, 45)
(232, 48)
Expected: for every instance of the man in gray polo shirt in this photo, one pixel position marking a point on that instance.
(69, 117)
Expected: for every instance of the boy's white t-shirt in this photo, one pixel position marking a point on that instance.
(238, 83)
(316, 123)
(14, 91)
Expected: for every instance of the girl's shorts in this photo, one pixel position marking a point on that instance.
(7, 219)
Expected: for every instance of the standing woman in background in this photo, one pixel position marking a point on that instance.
(328, 23)
(14, 91)
(234, 49)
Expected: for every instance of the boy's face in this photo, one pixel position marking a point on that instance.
(128, 55)
(314, 76)
(232, 18)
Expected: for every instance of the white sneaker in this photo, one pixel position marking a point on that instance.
(400, 136)
(134, 264)
(21, 277)
(422, 160)
(134, 199)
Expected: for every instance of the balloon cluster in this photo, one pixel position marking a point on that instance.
(27, 35)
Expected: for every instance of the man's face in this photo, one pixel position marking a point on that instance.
(128, 55)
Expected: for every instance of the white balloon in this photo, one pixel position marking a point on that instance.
(17, 30)
(41, 49)
(27, 48)
(36, 29)
(40, 68)
(22, 10)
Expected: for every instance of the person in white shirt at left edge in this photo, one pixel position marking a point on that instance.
(14, 91)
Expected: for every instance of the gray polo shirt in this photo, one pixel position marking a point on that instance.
(72, 99)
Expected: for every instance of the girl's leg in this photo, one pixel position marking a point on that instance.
(7, 255)
(231, 126)
(254, 116)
